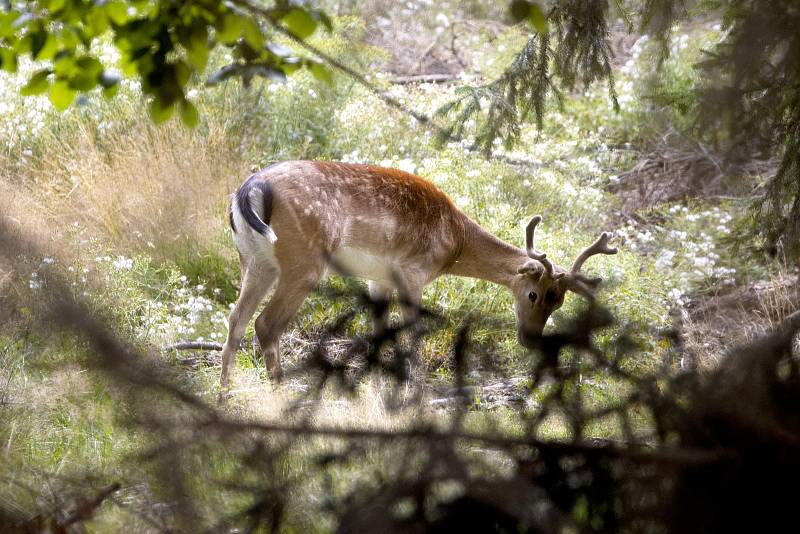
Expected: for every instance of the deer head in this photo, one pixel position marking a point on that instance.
(540, 286)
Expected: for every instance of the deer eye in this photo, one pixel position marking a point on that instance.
(532, 296)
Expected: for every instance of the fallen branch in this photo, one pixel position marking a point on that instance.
(194, 345)
(203, 359)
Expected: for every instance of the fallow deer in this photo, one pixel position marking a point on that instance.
(295, 219)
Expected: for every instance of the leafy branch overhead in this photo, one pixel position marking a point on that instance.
(164, 44)
(570, 45)
(747, 103)
(752, 96)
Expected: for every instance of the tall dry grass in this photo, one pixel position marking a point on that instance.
(134, 187)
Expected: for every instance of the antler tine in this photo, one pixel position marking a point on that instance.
(598, 247)
(538, 256)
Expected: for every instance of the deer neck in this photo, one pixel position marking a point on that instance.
(486, 257)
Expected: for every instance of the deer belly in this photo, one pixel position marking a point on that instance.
(357, 262)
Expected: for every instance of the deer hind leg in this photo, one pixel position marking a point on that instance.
(256, 281)
(381, 295)
(292, 290)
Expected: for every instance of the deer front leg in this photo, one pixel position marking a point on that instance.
(410, 300)
(270, 324)
(409, 296)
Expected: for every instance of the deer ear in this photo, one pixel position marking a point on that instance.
(581, 284)
(586, 280)
(576, 286)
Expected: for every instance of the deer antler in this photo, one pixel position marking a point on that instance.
(577, 281)
(598, 247)
(538, 256)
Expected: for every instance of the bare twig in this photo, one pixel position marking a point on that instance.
(86, 509)
(427, 51)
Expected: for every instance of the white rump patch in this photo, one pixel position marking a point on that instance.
(252, 245)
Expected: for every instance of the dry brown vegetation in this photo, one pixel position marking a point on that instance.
(670, 174)
(718, 324)
(160, 190)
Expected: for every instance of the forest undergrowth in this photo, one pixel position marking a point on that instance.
(132, 217)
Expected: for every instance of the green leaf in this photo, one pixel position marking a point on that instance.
(89, 65)
(49, 48)
(72, 37)
(197, 56)
(7, 26)
(300, 22)
(56, 5)
(37, 85)
(8, 60)
(530, 11)
(110, 91)
(128, 66)
(252, 34)
(83, 82)
(229, 28)
(197, 48)
(117, 12)
(537, 18)
(188, 114)
(61, 95)
(34, 42)
(290, 67)
(96, 22)
(161, 112)
(83, 73)
(182, 73)
(64, 66)
(321, 73)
